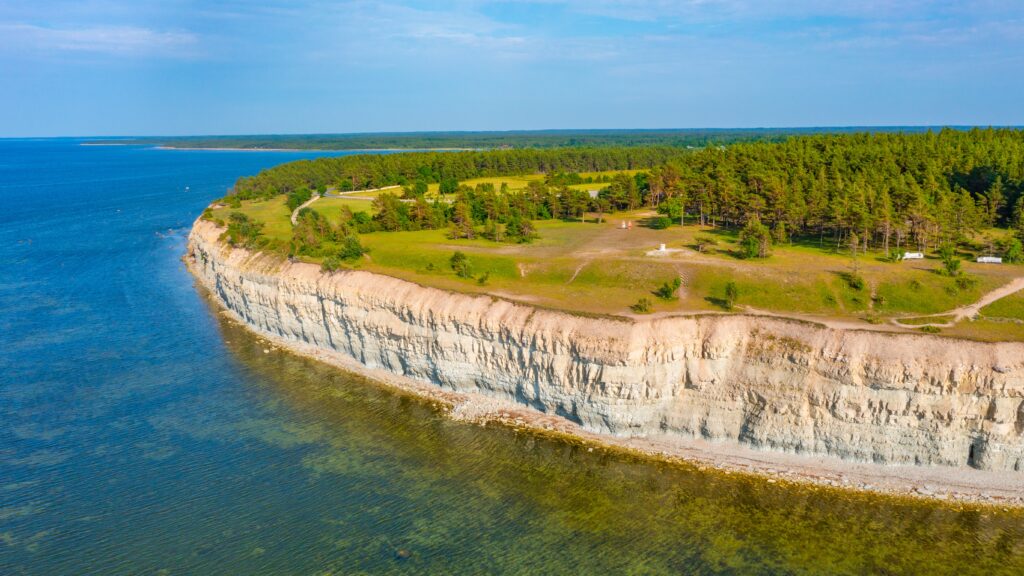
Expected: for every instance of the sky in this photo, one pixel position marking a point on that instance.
(184, 67)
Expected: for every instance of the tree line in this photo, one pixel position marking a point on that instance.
(379, 170)
(891, 191)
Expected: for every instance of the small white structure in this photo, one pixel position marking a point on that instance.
(593, 193)
(990, 260)
(913, 256)
(661, 248)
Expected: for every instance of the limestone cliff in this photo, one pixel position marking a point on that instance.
(765, 382)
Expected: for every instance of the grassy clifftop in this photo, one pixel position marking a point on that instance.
(594, 266)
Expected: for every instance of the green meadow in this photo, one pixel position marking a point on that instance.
(597, 267)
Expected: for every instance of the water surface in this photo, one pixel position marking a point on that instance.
(141, 433)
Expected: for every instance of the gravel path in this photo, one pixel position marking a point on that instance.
(295, 213)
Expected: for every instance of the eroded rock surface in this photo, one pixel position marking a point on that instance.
(764, 382)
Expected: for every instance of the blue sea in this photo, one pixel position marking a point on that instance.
(142, 433)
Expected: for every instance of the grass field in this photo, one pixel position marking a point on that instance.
(1011, 307)
(598, 268)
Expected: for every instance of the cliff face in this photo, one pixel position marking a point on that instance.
(768, 383)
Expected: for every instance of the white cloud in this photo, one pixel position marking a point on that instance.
(118, 40)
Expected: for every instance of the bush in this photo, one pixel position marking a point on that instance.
(244, 231)
(330, 264)
(461, 265)
(482, 280)
(660, 223)
(704, 243)
(1013, 251)
(732, 294)
(642, 306)
(755, 240)
(298, 198)
(351, 248)
(930, 329)
(950, 261)
(965, 282)
(855, 281)
(667, 291)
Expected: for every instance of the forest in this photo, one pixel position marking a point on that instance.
(889, 191)
(496, 140)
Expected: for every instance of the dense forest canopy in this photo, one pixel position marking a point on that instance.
(694, 137)
(875, 189)
(379, 170)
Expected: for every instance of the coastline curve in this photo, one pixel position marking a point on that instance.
(905, 413)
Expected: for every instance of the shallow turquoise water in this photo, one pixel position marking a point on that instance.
(142, 434)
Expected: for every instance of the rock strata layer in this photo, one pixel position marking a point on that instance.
(767, 383)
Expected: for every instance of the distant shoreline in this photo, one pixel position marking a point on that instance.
(236, 149)
(229, 149)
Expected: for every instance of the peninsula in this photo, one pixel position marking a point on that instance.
(756, 307)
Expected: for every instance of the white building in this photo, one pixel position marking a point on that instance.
(990, 260)
(913, 255)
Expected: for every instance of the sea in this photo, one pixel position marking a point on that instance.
(142, 432)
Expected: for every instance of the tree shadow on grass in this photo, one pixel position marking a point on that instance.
(720, 302)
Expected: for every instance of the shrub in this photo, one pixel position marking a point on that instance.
(965, 282)
(950, 261)
(461, 265)
(667, 291)
(330, 264)
(244, 231)
(482, 280)
(930, 329)
(298, 198)
(732, 294)
(1013, 251)
(642, 306)
(855, 281)
(660, 223)
(705, 242)
(755, 240)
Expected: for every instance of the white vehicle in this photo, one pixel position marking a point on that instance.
(913, 256)
(990, 260)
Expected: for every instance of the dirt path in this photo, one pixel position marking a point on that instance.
(970, 310)
(295, 213)
(577, 271)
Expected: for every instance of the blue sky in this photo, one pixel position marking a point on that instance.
(133, 67)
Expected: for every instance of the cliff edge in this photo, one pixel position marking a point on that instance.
(766, 383)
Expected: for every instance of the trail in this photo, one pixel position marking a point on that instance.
(295, 213)
(970, 310)
(577, 271)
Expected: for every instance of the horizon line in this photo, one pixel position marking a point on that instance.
(849, 127)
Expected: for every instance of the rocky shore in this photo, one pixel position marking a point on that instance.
(902, 413)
